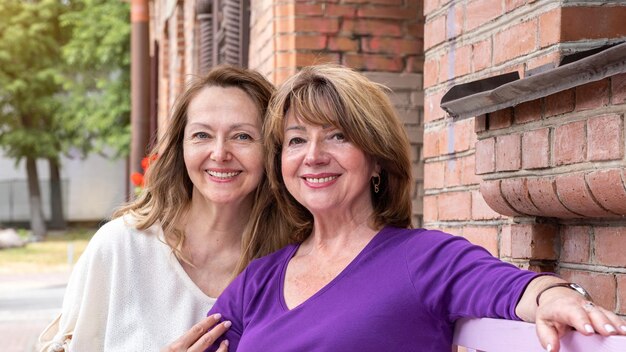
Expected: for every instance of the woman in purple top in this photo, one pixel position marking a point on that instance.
(358, 278)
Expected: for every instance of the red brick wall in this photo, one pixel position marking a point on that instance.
(366, 35)
(543, 166)
(173, 27)
(594, 256)
(176, 53)
(564, 162)
(262, 48)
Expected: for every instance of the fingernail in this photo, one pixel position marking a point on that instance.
(217, 316)
(549, 348)
(227, 324)
(589, 328)
(609, 328)
(226, 343)
(623, 327)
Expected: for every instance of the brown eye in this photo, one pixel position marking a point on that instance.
(296, 140)
(339, 136)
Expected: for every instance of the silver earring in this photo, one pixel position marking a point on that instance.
(376, 183)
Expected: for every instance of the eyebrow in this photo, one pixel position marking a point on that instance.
(302, 128)
(231, 127)
(295, 128)
(238, 125)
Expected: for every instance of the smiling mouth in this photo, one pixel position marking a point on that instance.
(223, 175)
(320, 179)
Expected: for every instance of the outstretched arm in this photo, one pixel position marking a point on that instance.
(560, 308)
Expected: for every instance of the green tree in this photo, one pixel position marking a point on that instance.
(97, 104)
(30, 80)
(64, 85)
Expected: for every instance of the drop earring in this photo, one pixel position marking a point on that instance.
(376, 183)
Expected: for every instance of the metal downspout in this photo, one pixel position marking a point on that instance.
(140, 85)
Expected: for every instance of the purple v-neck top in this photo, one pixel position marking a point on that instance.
(403, 292)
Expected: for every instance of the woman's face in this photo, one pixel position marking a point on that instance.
(222, 144)
(323, 171)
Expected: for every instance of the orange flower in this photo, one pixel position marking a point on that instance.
(137, 179)
(145, 162)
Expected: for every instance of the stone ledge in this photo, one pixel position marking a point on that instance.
(592, 194)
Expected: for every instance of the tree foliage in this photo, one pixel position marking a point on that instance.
(30, 58)
(98, 84)
(64, 77)
(64, 82)
(30, 81)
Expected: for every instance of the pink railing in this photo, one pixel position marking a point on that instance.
(496, 335)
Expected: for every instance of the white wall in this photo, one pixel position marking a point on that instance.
(92, 188)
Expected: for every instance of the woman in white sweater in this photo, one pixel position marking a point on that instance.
(153, 271)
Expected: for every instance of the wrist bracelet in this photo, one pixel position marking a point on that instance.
(570, 285)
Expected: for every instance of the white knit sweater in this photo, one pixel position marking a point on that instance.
(128, 292)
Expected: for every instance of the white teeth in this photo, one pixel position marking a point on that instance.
(223, 174)
(320, 180)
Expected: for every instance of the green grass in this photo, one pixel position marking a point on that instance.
(46, 256)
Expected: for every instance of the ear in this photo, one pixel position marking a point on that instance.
(377, 169)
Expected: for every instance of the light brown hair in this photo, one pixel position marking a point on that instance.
(347, 100)
(167, 192)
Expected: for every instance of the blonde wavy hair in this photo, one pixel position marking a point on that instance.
(167, 192)
(338, 96)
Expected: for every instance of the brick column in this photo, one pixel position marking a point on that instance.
(458, 47)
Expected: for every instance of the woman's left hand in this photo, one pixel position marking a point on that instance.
(201, 336)
(564, 308)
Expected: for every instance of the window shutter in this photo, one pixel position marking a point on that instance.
(204, 15)
(224, 27)
(236, 30)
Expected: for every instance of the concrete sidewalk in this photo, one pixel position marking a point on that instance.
(28, 303)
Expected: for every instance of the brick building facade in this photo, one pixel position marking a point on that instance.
(538, 183)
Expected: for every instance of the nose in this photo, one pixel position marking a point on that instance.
(315, 154)
(220, 150)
